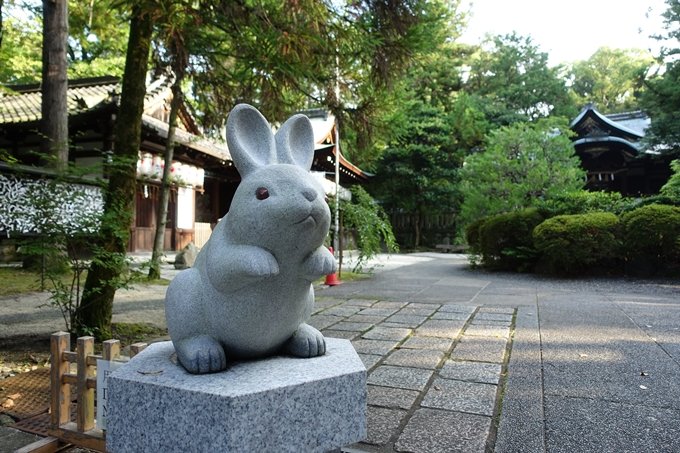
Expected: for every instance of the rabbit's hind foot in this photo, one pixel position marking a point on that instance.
(202, 354)
(306, 342)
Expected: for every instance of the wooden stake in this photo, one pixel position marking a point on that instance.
(61, 391)
(85, 413)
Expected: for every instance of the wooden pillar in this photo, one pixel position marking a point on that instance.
(85, 414)
(61, 392)
(110, 349)
(137, 348)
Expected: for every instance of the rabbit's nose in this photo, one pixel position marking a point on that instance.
(309, 194)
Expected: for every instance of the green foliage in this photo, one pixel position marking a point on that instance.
(672, 187)
(62, 230)
(570, 244)
(661, 99)
(21, 54)
(521, 164)
(654, 231)
(435, 129)
(612, 79)
(584, 201)
(371, 224)
(512, 75)
(505, 241)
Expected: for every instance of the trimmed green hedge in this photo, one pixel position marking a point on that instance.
(652, 238)
(505, 240)
(645, 240)
(571, 244)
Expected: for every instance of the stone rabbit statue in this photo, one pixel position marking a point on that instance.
(250, 291)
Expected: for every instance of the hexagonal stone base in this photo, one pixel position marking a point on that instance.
(279, 404)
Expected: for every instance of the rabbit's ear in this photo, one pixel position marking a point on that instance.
(295, 142)
(250, 139)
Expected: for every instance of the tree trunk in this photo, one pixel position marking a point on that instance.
(54, 124)
(2, 3)
(94, 313)
(416, 226)
(162, 217)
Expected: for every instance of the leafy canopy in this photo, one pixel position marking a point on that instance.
(612, 79)
(512, 76)
(521, 163)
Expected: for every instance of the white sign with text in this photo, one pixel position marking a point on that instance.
(104, 368)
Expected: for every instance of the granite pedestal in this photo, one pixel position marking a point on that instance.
(279, 404)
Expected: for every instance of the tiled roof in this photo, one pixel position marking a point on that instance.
(209, 147)
(24, 107)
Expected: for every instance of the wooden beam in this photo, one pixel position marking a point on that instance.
(94, 439)
(61, 391)
(46, 445)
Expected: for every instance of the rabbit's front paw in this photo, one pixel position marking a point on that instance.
(306, 342)
(320, 263)
(202, 354)
(262, 264)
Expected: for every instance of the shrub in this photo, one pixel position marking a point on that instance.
(652, 237)
(472, 233)
(573, 243)
(505, 240)
(582, 202)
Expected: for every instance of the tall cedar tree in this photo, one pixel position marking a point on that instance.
(54, 122)
(94, 315)
(661, 100)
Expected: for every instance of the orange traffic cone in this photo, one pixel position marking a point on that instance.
(332, 279)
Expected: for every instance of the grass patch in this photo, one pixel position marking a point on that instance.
(16, 280)
(347, 276)
(140, 278)
(130, 333)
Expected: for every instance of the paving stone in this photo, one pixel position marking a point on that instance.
(488, 331)
(322, 321)
(353, 326)
(505, 310)
(379, 347)
(452, 315)
(439, 344)
(419, 305)
(411, 321)
(457, 308)
(395, 325)
(434, 431)
(427, 312)
(486, 373)
(369, 360)
(343, 310)
(416, 358)
(367, 318)
(361, 302)
(489, 322)
(400, 377)
(440, 328)
(480, 349)
(323, 303)
(387, 333)
(389, 305)
(382, 424)
(391, 397)
(344, 334)
(470, 397)
(493, 317)
(378, 311)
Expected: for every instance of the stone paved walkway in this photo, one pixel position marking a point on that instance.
(589, 364)
(434, 370)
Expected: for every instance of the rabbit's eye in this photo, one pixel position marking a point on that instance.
(262, 193)
(326, 199)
